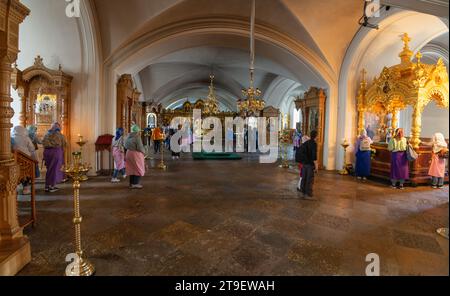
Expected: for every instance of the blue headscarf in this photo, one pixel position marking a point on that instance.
(56, 127)
(119, 133)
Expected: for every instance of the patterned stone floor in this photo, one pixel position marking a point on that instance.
(242, 218)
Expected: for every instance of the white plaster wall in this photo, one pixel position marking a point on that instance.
(48, 32)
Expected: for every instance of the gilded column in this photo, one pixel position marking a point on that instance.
(394, 120)
(361, 101)
(416, 127)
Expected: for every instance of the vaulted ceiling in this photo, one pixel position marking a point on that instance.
(324, 27)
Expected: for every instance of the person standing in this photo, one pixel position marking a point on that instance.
(54, 143)
(310, 166)
(297, 139)
(157, 137)
(23, 143)
(135, 157)
(437, 167)
(32, 133)
(118, 152)
(298, 157)
(363, 155)
(399, 159)
(147, 141)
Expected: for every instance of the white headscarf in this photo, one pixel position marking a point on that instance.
(19, 131)
(439, 142)
(363, 133)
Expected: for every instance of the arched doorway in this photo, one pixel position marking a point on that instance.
(225, 33)
(152, 120)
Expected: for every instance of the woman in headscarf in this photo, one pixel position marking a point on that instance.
(437, 168)
(399, 159)
(23, 143)
(363, 155)
(118, 152)
(32, 133)
(54, 143)
(135, 157)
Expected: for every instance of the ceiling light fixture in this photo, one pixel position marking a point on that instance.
(252, 105)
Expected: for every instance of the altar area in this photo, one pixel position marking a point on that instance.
(409, 84)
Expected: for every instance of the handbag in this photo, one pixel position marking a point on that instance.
(411, 153)
(443, 154)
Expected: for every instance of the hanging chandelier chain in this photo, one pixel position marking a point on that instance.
(251, 104)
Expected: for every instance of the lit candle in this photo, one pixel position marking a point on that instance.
(80, 138)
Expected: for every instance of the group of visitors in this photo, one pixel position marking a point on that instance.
(129, 152)
(398, 146)
(129, 156)
(306, 156)
(54, 142)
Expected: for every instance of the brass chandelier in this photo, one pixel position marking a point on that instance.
(252, 104)
(211, 105)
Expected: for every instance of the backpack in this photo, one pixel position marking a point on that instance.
(300, 154)
(365, 144)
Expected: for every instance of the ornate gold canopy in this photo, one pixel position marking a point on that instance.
(407, 84)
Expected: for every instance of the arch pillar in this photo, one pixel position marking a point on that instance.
(15, 251)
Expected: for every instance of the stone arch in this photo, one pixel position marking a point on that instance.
(139, 52)
(359, 51)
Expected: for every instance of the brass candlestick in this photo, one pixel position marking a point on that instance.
(161, 165)
(284, 156)
(81, 143)
(344, 170)
(76, 171)
(285, 139)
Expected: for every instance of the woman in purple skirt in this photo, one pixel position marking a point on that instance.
(399, 160)
(54, 143)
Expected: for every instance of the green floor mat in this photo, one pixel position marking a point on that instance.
(215, 156)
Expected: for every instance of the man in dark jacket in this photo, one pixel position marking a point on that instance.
(310, 166)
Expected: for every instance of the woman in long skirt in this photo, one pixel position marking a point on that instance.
(135, 157)
(54, 143)
(437, 168)
(363, 155)
(118, 152)
(399, 159)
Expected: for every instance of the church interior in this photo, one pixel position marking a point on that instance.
(95, 86)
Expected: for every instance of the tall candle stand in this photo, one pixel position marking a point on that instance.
(81, 143)
(76, 171)
(284, 156)
(161, 165)
(344, 170)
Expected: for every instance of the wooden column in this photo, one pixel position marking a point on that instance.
(15, 250)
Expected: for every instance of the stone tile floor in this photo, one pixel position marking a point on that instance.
(242, 218)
